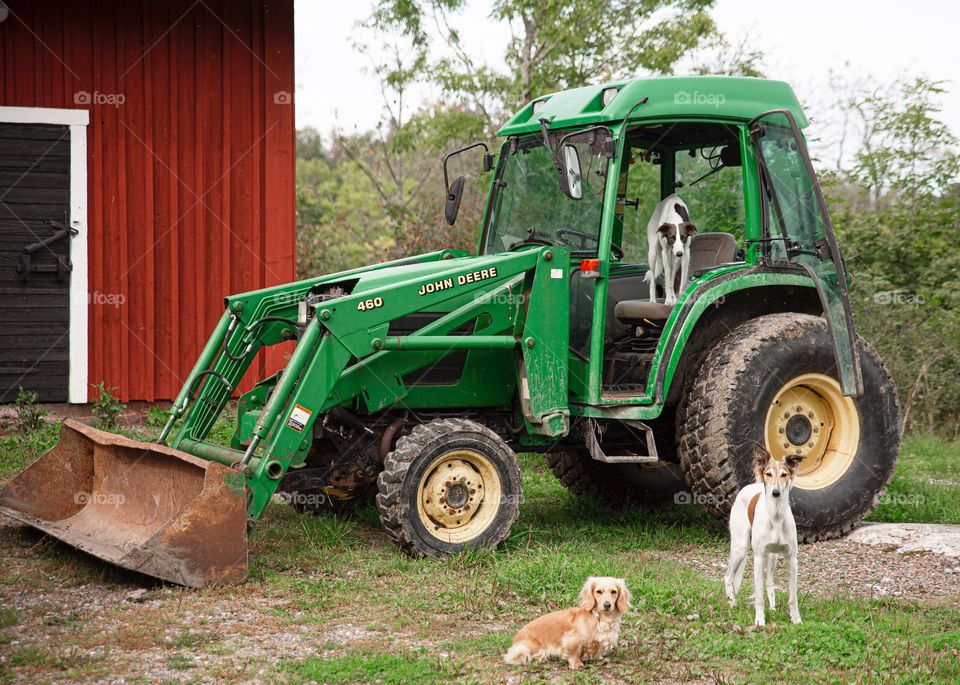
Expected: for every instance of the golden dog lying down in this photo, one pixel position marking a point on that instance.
(588, 631)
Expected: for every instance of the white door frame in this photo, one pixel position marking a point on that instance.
(77, 120)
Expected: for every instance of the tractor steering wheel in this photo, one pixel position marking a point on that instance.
(584, 239)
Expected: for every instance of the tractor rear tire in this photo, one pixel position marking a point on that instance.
(449, 485)
(616, 485)
(772, 381)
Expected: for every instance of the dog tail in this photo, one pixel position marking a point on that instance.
(518, 654)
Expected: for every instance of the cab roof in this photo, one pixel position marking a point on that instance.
(670, 97)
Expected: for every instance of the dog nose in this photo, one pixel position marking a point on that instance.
(776, 492)
(679, 254)
(607, 605)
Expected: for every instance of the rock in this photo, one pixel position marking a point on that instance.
(693, 617)
(136, 596)
(911, 538)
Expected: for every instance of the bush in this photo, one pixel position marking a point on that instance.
(29, 414)
(106, 408)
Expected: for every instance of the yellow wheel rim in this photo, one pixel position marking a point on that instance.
(810, 417)
(459, 495)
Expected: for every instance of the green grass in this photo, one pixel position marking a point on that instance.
(911, 496)
(19, 451)
(450, 619)
(385, 669)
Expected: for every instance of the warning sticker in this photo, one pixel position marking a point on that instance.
(299, 417)
(556, 273)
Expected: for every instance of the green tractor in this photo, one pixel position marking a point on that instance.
(415, 382)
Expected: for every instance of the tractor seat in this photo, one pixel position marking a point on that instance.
(706, 250)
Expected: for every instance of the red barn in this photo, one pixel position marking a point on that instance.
(146, 170)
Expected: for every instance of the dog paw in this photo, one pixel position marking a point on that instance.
(759, 622)
(796, 618)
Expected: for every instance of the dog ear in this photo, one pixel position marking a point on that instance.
(665, 228)
(689, 228)
(793, 462)
(760, 460)
(623, 596)
(587, 600)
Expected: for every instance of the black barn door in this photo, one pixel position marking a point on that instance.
(34, 260)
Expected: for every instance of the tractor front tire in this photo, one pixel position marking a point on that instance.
(449, 485)
(772, 381)
(616, 485)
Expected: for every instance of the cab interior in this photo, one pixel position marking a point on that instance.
(702, 163)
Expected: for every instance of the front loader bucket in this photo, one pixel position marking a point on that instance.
(138, 505)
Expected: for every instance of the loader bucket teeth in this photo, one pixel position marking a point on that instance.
(138, 505)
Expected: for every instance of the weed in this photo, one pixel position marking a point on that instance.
(106, 408)
(29, 413)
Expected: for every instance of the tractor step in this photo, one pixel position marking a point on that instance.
(597, 454)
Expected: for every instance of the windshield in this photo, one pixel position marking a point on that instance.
(529, 206)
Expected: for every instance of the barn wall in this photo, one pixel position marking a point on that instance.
(190, 163)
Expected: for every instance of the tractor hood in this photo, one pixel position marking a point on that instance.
(377, 278)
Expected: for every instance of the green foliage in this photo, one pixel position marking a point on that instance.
(106, 409)
(555, 44)
(29, 413)
(157, 417)
(19, 450)
(896, 214)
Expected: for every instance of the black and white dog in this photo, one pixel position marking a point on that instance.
(668, 237)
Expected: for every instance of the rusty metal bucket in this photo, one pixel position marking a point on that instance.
(138, 505)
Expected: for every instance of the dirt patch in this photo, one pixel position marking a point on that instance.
(846, 567)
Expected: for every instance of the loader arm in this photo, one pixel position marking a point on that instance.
(344, 353)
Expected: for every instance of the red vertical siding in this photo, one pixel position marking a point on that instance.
(190, 179)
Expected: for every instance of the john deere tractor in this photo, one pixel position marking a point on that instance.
(415, 382)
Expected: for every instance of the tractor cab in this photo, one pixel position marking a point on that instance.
(584, 169)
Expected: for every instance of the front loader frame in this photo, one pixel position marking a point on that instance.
(514, 301)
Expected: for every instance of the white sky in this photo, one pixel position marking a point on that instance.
(802, 42)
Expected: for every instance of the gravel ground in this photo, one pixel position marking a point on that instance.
(845, 567)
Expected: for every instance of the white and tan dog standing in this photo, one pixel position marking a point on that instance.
(761, 518)
(668, 237)
(588, 631)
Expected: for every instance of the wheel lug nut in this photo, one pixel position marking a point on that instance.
(786, 415)
(799, 409)
(781, 429)
(810, 445)
(786, 445)
(809, 414)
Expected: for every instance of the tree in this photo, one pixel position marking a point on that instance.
(554, 44)
(897, 212)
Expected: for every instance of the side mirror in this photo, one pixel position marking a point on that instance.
(571, 183)
(454, 194)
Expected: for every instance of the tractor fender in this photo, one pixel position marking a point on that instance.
(717, 305)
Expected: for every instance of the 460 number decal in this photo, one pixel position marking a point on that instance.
(364, 305)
